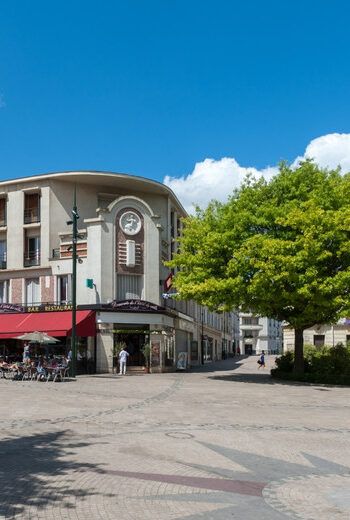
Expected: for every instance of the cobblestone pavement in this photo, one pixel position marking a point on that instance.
(221, 442)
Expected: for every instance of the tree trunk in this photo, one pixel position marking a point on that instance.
(298, 352)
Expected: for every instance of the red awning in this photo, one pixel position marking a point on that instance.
(53, 323)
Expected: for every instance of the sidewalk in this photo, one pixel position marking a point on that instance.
(221, 442)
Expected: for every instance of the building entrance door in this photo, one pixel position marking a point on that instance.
(134, 342)
(248, 349)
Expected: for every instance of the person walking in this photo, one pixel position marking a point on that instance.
(123, 355)
(261, 361)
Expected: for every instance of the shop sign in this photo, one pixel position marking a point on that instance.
(49, 308)
(133, 305)
(168, 283)
(12, 307)
(185, 325)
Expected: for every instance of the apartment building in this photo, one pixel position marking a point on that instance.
(128, 226)
(259, 334)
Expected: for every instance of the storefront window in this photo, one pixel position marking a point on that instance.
(208, 349)
(85, 358)
(194, 350)
(169, 350)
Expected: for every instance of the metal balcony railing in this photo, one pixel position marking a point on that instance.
(31, 215)
(31, 258)
(3, 261)
(56, 253)
(251, 326)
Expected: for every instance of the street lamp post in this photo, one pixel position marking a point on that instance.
(202, 334)
(74, 223)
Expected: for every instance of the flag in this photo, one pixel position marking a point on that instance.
(167, 283)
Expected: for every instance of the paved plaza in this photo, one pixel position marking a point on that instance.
(221, 442)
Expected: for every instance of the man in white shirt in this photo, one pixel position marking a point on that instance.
(123, 355)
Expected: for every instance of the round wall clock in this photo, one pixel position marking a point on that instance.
(130, 223)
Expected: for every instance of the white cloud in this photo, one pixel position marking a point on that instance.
(330, 151)
(213, 179)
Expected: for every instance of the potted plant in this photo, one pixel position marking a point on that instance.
(146, 352)
(117, 346)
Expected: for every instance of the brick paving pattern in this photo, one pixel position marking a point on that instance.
(221, 442)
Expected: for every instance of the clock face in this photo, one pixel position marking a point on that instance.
(130, 223)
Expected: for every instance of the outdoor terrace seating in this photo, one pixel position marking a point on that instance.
(30, 372)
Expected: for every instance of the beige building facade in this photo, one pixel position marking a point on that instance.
(128, 226)
(320, 335)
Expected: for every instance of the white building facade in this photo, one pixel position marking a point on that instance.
(259, 334)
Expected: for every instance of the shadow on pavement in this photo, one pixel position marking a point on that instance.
(29, 467)
(231, 365)
(221, 366)
(262, 378)
(259, 378)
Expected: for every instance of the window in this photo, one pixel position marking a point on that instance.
(33, 291)
(319, 340)
(31, 208)
(63, 289)
(129, 287)
(32, 251)
(3, 254)
(4, 291)
(2, 211)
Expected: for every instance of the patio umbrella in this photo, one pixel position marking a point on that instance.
(37, 337)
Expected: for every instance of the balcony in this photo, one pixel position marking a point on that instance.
(252, 326)
(31, 216)
(31, 258)
(246, 314)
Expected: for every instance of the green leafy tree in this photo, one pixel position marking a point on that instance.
(279, 248)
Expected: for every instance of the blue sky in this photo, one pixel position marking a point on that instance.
(153, 87)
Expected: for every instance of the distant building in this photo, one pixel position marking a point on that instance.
(320, 335)
(259, 333)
